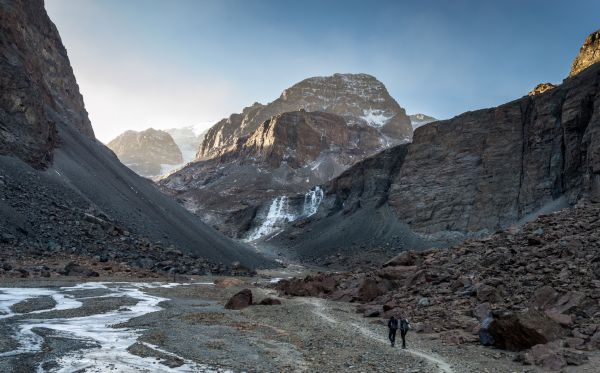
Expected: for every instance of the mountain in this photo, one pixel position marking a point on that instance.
(188, 139)
(313, 132)
(63, 192)
(148, 153)
(467, 176)
(359, 98)
(417, 120)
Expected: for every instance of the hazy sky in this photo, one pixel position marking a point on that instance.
(171, 63)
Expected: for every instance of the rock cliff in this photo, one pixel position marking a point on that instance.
(149, 153)
(85, 202)
(359, 98)
(38, 86)
(588, 55)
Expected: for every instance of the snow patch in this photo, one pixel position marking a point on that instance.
(375, 117)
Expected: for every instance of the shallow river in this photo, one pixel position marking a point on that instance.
(104, 345)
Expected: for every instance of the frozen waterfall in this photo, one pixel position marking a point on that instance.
(281, 211)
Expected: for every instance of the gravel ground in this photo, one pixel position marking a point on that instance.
(301, 335)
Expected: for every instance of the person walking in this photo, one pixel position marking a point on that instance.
(404, 328)
(392, 326)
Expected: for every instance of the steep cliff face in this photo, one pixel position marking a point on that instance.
(43, 122)
(358, 98)
(289, 153)
(588, 55)
(149, 153)
(470, 175)
(299, 138)
(38, 86)
(485, 169)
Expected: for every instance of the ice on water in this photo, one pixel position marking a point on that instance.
(109, 344)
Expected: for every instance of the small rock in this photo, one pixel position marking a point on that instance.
(424, 302)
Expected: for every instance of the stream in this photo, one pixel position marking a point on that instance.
(101, 344)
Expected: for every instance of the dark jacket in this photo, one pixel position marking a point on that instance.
(393, 324)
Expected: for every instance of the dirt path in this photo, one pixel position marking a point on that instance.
(320, 309)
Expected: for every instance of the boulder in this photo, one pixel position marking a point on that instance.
(74, 269)
(228, 282)
(240, 300)
(269, 302)
(544, 297)
(406, 258)
(372, 311)
(567, 302)
(487, 293)
(397, 272)
(422, 327)
(560, 318)
(520, 331)
(482, 311)
(575, 357)
(548, 358)
(369, 290)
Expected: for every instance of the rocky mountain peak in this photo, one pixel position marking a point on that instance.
(358, 98)
(588, 55)
(419, 119)
(148, 152)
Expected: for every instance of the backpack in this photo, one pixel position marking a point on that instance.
(404, 325)
(394, 324)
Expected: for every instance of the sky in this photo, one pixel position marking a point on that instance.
(174, 63)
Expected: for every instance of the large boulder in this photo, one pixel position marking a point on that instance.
(397, 272)
(240, 300)
(74, 269)
(310, 286)
(369, 290)
(520, 331)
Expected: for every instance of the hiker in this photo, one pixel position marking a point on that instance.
(393, 326)
(404, 328)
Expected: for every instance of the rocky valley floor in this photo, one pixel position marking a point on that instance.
(156, 326)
